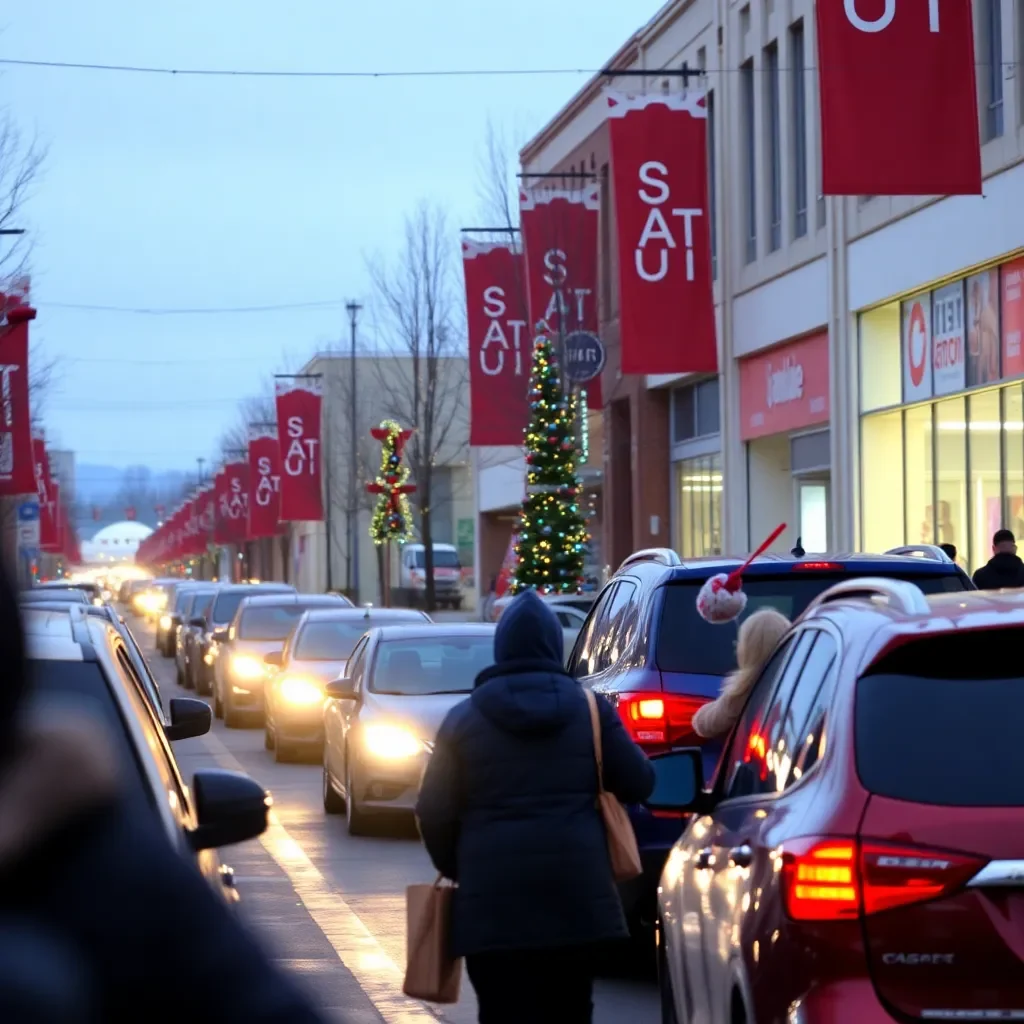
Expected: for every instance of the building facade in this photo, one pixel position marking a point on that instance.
(820, 416)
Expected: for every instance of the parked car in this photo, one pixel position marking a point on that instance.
(381, 717)
(858, 856)
(151, 602)
(218, 616)
(645, 648)
(93, 591)
(90, 672)
(315, 653)
(193, 621)
(47, 595)
(56, 617)
(261, 625)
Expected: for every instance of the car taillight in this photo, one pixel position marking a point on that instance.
(819, 566)
(839, 879)
(656, 719)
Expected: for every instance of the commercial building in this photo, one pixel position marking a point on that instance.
(835, 409)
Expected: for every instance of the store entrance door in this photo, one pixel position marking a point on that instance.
(814, 512)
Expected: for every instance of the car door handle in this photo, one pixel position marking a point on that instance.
(705, 859)
(741, 856)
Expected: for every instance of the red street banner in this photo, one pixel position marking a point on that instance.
(560, 230)
(236, 495)
(299, 400)
(17, 462)
(44, 491)
(500, 343)
(264, 483)
(222, 523)
(660, 180)
(899, 106)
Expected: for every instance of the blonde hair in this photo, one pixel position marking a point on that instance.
(759, 635)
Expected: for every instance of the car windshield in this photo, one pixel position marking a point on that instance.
(418, 666)
(442, 559)
(270, 622)
(201, 603)
(334, 639)
(64, 595)
(182, 600)
(228, 603)
(686, 643)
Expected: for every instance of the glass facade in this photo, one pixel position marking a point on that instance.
(950, 471)
(699, 506)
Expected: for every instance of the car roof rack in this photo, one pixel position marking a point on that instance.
(930, 551)
(901, 594)
(662, 556)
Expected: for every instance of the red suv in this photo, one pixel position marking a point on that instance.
(859, 857)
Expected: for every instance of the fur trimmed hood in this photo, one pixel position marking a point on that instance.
(61, 769)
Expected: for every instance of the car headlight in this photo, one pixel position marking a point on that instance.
(300, 692)
(392, 742)
(165, 622)
(245, 666)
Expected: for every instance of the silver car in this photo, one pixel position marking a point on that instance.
(381, 718)
(314, 654)
(261, 625)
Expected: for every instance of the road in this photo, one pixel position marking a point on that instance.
(331, 907)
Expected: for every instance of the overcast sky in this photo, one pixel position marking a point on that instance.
(163, 191)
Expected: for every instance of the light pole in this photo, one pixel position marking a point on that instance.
(353, 309)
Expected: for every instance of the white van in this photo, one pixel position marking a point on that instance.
(447, 574)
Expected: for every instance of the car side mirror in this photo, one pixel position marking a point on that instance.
(275, 659)
(230, 808)
(342, 688)
(220, 636)
(189, 718)
(678, 781)
(198, 621)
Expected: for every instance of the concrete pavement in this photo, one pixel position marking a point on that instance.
(331, 907)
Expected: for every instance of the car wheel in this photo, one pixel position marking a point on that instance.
(186, 676)
(204, 686)
(218, 706)
(668, 1002)
(179, 677)
(268, 738)
(355, 817)
(232, 719)
(333, 802)
(284, 753)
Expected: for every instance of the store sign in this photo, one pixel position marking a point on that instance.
(949, 364)
(785, 388)
(916, 319)
(1013, 318)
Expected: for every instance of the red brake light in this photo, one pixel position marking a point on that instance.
(819, 566)
(840, 879)
(653, 719)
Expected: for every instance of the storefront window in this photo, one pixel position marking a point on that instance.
(951, 467)
(880, 378)
(917, 454)
(882, 481)
(699, 496)
(984, 429)
(1013, 461)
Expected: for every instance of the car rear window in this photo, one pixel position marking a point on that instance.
(938, 721)
(686, 643)
(79, 686)
(228, 602)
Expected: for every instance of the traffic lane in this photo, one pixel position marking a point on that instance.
(370, 874)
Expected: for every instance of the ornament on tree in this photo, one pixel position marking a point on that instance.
(392, 516)
(722, 599)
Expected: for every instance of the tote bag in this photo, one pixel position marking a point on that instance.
(431, 972)
(623, 852)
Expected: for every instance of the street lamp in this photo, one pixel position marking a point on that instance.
(353, 308)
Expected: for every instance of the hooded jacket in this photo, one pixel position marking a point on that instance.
(1003, 570)
(508, 804)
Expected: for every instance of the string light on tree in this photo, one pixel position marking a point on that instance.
(552, 533)
(392, 516)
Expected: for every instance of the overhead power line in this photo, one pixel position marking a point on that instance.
(190, 310)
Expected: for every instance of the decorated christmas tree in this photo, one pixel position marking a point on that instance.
(552, 531)
(392, 516)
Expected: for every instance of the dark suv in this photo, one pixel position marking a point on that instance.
(645, 648)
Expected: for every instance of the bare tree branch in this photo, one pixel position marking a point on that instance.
(21, 161)
(422, 373)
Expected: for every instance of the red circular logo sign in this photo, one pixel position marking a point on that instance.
(917, 344)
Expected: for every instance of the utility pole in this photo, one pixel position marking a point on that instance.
(353, 309)
(199, 478)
